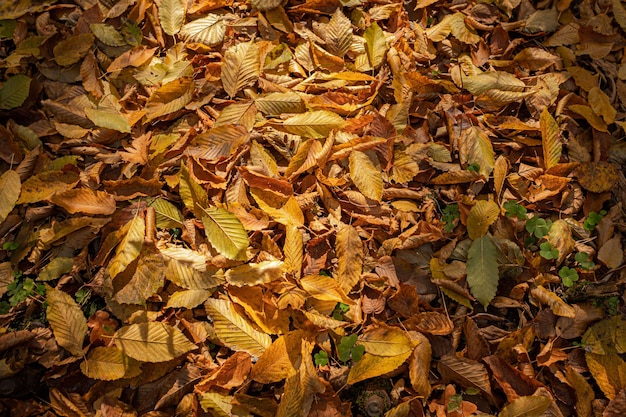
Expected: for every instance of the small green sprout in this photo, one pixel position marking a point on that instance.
(514, 209)
(321, 358)
(593, 220)
(583, 261)
(547, 251)
(450, 214)
(568, 276)
(538, 226)
(348, 349)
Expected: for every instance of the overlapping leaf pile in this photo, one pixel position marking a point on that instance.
(286, 208)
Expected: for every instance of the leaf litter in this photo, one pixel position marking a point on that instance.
(318, 208)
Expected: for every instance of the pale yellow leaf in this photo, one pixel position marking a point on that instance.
(233, 330)
(218, 405)
(148, 277)
(152, 342)
(480, 217)
(242, 113)
(535, 59)
(171, 15)
(493, 80)
(108, 119)
(208, 30)
(276, 103)
(462, 31)
(67, 320)
(187, 269)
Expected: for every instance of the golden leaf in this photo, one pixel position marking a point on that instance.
(475, 148)
(584, 391)
(376, 44)
(597, 177)
(187, 299)
(366, 174)
(241, 67)
(72, 49)
(324, 288)
(481, 216)
(10, 187)
(535, 59)
(225, 233)
(85, 200)
(43, 186)
(419, 364)
(106, 363)
(293, 250)
(372, 366)
(254, 273)
(152, 342)
(338, 34)
(148, 277)
(386, 341)
(526, 406)
(191, 192)
(601, 105)
(169, 98)
(560, 237)
(314, 124)
(233, 330)
(350, 255)
(129, 247)
(588, 114)
(280, 359)
(208, 30)
(556, 304)
(550, 141)
(67, 320)
(609, 371)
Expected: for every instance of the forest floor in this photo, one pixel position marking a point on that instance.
(320, 208)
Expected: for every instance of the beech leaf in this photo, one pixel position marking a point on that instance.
(152, 342)
(482, 269)
(67, 320)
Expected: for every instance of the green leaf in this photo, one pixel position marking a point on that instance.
(568, 275)
(171, 15)
(225, 233)
(167, 215)
(14, 91)
(482, 269)
(547, 251)
(513, 209)
(376, 44)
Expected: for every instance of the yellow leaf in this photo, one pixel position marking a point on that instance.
(129, 247)
(169, 98)
(152, 342)
(193, 195)
(493, 80)
(475, 148)
(277, 103)
(187, 269)
(526, 406)
(72, 49)
(350, 255)
(300, 389)
(601, 105)
(293, 250)
(366, 174)
(187, 299)
(208, 30)
(372, 366)
(386, 341)
(314, 124)
(233, 330)
(264, 5)
(597, 177)
(85, 200)
(481, 216)
(419, 364)
(146, 280)
(167, 215)
(43, 186)
(219, 142)
(106, 363)
(500, 171)
(218, 405)
(171, 15)
(240, 67)
(280, 360)
(461, 31)
(10, 187)
(588, 114)
(324, 288)
(376, 44)
(556, 304)
(550, 141)
(254, 273)
(66, 320)
(225, 233)
(242, 113)
(338, 34)
(108, 119)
